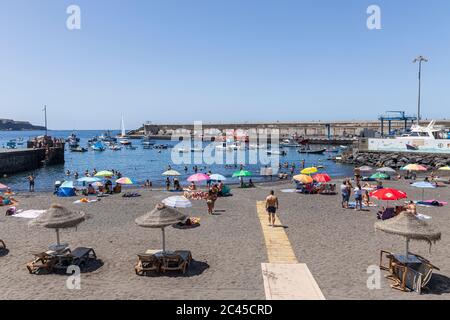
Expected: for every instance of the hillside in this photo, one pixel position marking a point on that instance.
(11, 125)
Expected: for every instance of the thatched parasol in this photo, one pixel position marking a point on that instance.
(58, 217)
(160, 217)
(410, 227)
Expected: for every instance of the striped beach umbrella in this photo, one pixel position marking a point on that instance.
(303, 178)
(414, 167)
(124, 180)
(104, 174)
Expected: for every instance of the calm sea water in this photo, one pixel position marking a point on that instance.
(141, 164)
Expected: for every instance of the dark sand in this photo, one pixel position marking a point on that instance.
(228, 248)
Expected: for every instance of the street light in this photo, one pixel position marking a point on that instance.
(419, 59)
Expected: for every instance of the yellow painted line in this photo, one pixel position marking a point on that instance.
(279, 249)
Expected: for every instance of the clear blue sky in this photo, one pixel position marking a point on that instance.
(220, 60)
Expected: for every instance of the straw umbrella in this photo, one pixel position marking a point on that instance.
(409, 226)
(59, 217)
(160, 217)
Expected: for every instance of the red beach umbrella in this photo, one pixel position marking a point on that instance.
(322, 177)
(388, 194)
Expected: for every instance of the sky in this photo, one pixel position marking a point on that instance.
(179, 61)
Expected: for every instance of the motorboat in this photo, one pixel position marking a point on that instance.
(78, 149)
(98, 146)
(312, 151)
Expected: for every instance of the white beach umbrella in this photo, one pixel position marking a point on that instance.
(177, 202)
(386, 170)
(217, 177)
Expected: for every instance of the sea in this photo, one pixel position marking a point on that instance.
(141, 164)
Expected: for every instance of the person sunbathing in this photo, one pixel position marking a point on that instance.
(411, 208)
(366, 199)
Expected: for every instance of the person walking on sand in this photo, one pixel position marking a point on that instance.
(272, 207)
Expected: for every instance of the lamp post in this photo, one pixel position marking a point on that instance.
(419, 59)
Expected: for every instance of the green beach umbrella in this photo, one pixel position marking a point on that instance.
(380, 175)
(242, 173)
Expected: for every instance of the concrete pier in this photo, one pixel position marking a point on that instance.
(19, 160)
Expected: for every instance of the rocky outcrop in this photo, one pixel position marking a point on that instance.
(395, 160)
(11, 125)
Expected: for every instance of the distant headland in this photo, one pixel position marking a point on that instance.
(11, 125)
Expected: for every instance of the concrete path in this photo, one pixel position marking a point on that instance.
(284, 277)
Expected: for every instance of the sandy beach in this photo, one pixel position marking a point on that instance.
(337, 245)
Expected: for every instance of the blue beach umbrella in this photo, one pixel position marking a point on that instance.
(423, 185)
(67, 184)
(89, 179)
(217, 177)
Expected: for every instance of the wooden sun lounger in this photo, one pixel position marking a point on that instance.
(176, 261)
(407, 278)
(43, 261)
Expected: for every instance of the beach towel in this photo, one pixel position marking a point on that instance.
(431, 203)
(86, 201)
(28, 214)
(352, 205)
(423, 217)
(287, 190)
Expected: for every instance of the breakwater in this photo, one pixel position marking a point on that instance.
(15, 161)
(394, 160)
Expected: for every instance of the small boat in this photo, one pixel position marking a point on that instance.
(78, 149)
(115, 147)
(289, 143)
(332, 150)
(11, 144)
(318, 151)
(98, 146)
(280, 153)
(412, 147)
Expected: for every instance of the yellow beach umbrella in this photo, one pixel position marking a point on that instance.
(310, 170)
(104, 174)
(303, 178)
(446, 168)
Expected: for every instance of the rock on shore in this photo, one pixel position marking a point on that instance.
(395, 159)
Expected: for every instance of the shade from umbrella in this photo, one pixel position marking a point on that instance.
(446, 168)
(410, 227)
(171, 173)
(104, 174)
(303, 178)
(414, 167)
(177, 202)
(217, 177)
(388, 194)
(310, 170)
(380, 175)
(365, 168)
(242, 173)
(124, 180)
(160, 217)
(322, 177)
(58, 217)
(3, 187)
(423, 185)
(386, 169)
(198, 177)
(88, 179)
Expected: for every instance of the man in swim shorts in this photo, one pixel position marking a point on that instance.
(271, 207)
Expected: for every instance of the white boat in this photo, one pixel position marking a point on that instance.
(429, 139)
(122, 139)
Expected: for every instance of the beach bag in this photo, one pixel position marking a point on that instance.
(11, 211)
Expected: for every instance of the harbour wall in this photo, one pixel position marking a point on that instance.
(309, 129)
(15, 161)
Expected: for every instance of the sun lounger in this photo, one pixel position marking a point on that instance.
(147, 262)
(413, 277)
(43, 261)
(176, 261)
(2, 244)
